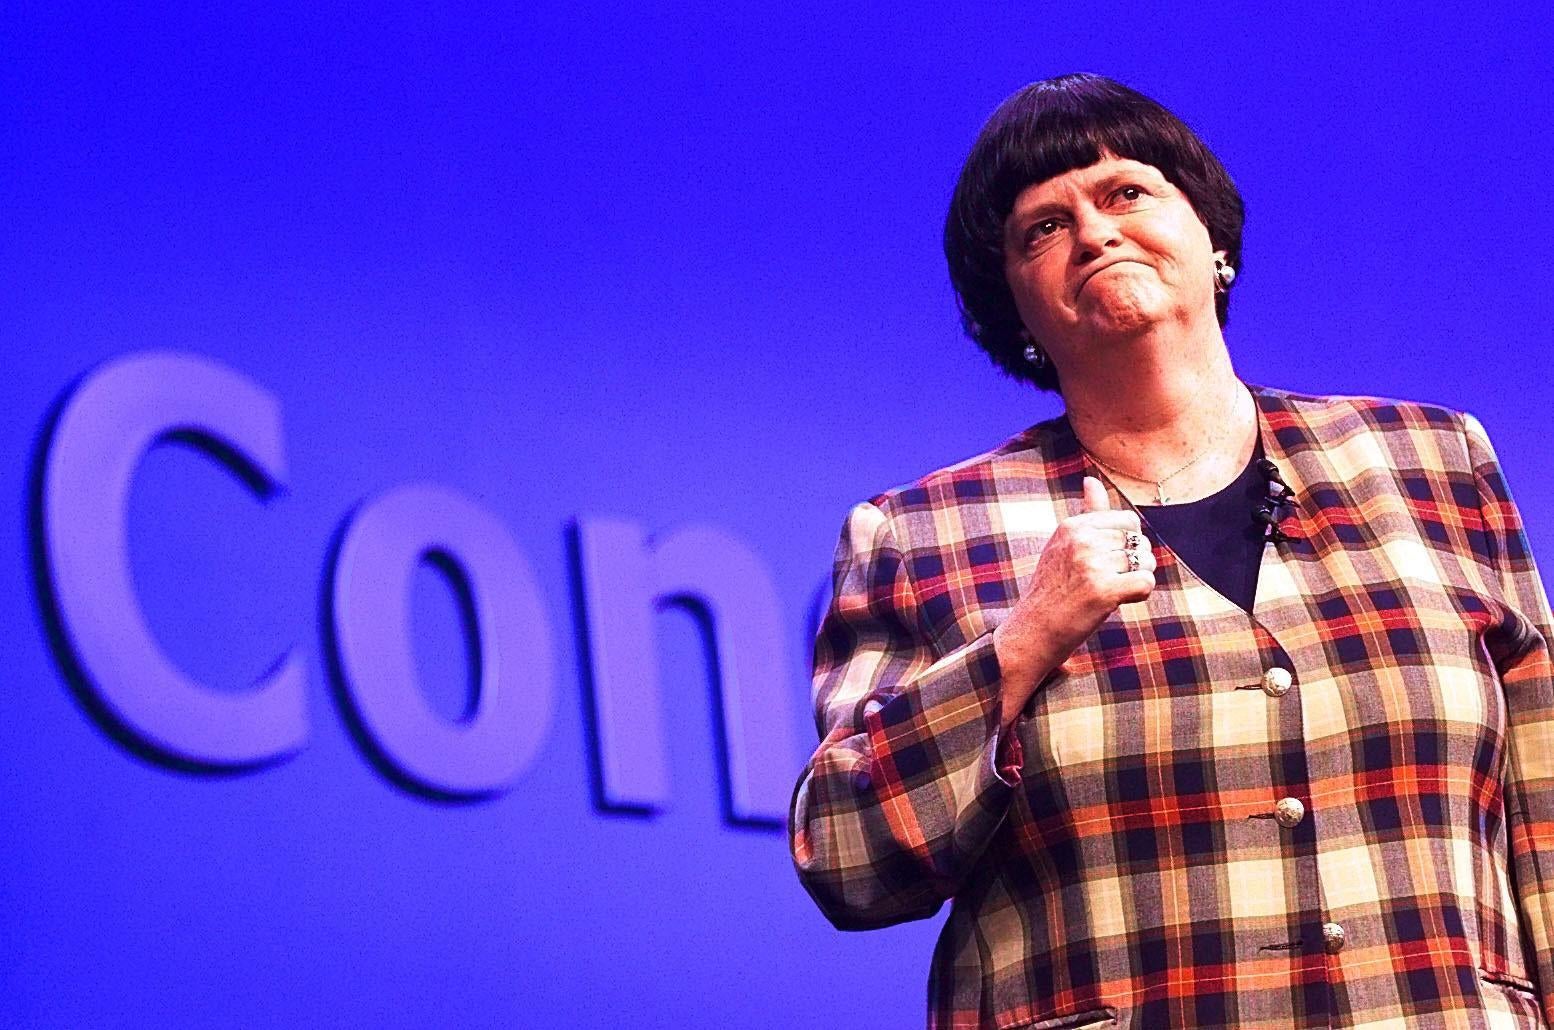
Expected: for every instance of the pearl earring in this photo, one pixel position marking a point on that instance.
(1035, 356)
(1224, 275)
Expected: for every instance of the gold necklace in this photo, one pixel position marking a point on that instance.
(1159, 484)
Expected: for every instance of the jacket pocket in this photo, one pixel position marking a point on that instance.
(1071, 1021)
(1510, 982)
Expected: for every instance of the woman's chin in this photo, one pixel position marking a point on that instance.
(1130, 320)
(1123, 309)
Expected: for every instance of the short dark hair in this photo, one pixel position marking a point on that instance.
(1046, 129)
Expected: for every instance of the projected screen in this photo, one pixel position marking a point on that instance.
(428, 434)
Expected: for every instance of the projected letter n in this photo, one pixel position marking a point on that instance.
(370, 623)
(625, 578)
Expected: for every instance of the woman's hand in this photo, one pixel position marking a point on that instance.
(1080, 579)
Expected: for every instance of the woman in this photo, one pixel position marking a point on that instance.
(1204, 705)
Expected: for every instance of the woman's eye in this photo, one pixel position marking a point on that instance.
(1040, 232)
(1130, 193)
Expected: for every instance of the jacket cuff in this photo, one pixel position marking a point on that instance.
(947, 723)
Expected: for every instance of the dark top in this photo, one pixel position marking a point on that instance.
(1217, 537)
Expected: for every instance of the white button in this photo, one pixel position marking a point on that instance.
(1276, 682)
(1332, 938)
(1289, 811)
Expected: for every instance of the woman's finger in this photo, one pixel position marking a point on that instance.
(1095, 495)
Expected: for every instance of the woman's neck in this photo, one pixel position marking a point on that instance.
(1146, 416)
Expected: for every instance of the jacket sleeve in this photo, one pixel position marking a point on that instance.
(1518, 644)
(912, 776)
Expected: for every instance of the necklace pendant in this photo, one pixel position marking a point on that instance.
(1160, 497)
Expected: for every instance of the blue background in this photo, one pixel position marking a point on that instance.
(669, 266)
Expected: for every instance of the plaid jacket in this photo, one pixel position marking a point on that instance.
(1335, 811)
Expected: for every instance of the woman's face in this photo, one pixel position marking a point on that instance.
(1104, 252)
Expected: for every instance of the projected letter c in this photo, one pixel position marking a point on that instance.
(107, 424)
(370, 621)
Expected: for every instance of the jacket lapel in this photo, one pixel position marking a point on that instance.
(1292, 572)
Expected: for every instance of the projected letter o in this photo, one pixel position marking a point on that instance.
(385, 542)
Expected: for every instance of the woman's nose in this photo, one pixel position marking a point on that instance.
(1094, 233)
